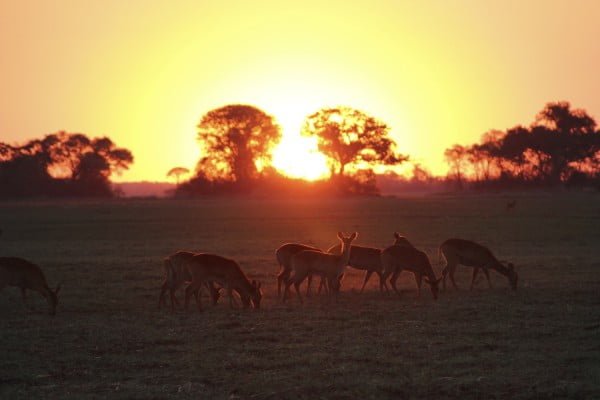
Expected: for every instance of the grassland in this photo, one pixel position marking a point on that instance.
(109, 340)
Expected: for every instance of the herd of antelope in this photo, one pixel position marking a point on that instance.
(297, 262)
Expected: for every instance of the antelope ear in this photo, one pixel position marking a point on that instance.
(354, 235)
(340, 235)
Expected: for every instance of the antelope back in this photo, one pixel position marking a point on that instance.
(401, 240)
(18, 272)
(285, 252)
(176, 267)
(21, 273)
(365, 257)
(226, 272)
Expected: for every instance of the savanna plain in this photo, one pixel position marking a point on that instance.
(109, 339)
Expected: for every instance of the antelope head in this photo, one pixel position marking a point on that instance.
(256, 294)
(434, 286)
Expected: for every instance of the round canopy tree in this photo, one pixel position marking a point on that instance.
(348, 136)
(237, 140)
(177, 172)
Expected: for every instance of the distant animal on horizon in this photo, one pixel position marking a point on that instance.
(398, 258)
(176, 274)
(471, 254)
(369, 259)
(511, 205)
(25, 275)
(329, 266)
(206, 267)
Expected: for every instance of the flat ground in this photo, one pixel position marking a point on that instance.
(110, 340)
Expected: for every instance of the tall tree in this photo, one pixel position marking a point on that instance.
(563, 136)
(348, 136)
(237, 140)
(177, 172)
(457, 157)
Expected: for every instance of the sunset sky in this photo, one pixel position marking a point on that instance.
(144, 72)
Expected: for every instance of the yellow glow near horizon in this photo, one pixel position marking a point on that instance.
(298, 157)
(143, 72)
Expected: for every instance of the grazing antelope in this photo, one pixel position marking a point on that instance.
(368, 259)
(176, 274)
(26, 275)
(471, 254)
(398, 258)
(283, 255)
(227, 273)
(329, 266)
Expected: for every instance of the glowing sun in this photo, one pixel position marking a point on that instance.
(298, 157)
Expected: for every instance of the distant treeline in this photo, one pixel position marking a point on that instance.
(271, 183)
(561, 147)
(61, 165)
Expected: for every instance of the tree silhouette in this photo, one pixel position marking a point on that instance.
(457, 156)
(177, 172)
(349, 136)
(61, 164)
(420, 174)
(562, 136)
(561, 145)
(238, 140)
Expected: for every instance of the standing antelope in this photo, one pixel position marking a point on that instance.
(227, 273)
(283, 255)
(329, 266)
(26, 275)
(471, 254)
(368, 259)
(176, 274)
(398, 258)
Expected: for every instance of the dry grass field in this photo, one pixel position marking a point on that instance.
(108, 338)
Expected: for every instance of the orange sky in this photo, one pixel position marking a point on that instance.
(144, 72)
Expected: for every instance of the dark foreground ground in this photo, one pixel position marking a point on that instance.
(110, 340)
